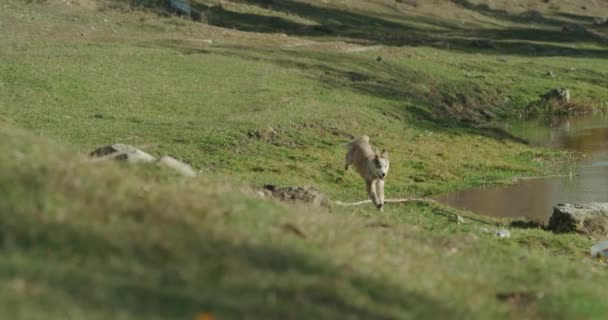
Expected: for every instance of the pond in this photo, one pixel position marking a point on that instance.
(535, 198)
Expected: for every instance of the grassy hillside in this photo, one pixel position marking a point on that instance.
(254, 92)
(85, 240)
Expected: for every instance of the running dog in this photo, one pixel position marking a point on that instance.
(372, 166)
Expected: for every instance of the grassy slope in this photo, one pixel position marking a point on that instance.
(82, 242)
(86, 76)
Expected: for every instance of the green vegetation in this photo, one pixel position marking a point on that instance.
(257, 92)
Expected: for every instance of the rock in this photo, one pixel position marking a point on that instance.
(483, 44)
(179, 166)
(304, 194)
(263, 193)
(550, 74)
(181, 7)
(121, 151)
(503, 233)
(600, 250)
(561, 95)
(379, 59)
(590, 219)
(459, 219)
(601, 21)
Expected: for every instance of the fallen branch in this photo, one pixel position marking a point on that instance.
(399, 200)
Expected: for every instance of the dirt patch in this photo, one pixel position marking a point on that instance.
(305, 194)
(518, 299)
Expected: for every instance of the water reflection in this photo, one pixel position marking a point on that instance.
(536, 198)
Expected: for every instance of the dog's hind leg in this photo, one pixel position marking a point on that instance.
(371, 192)
(349, 159)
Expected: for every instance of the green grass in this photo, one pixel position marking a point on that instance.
(106, 241)
(82, 242)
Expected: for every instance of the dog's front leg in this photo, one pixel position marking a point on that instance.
(371, 192)
(380, 193)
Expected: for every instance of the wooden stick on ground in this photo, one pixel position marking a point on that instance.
(399, 200)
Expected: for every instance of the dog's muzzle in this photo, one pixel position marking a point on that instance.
(381, 176)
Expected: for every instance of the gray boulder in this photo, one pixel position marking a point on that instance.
(306, 194)
(590, 219)
(179, 166)
(181, 7)
(121, 151)
(601, 21)
(561, 95)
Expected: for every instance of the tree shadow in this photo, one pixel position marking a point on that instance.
(525, 18)
(408, 30)
(201, 271)
(356, 27)
(440, 106)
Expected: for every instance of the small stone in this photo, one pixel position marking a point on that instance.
(181, 7)
(459, 219)
(263, 193)
(503, 233)
(601, 21)
(550, 74)
(119, 151)
(379, 59)
(208, 41)
(179, 166)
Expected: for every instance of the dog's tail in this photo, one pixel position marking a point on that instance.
(363, 138)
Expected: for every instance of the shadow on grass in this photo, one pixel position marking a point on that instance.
(108, 272)
(449, 107)
(454, 107)
(367, 28)
(504, 15)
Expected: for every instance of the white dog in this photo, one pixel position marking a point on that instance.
(372, 166)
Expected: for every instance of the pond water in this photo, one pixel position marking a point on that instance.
(535, 198)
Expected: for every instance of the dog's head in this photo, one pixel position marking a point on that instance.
(381, 164)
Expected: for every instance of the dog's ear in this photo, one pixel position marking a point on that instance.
(384, 154)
